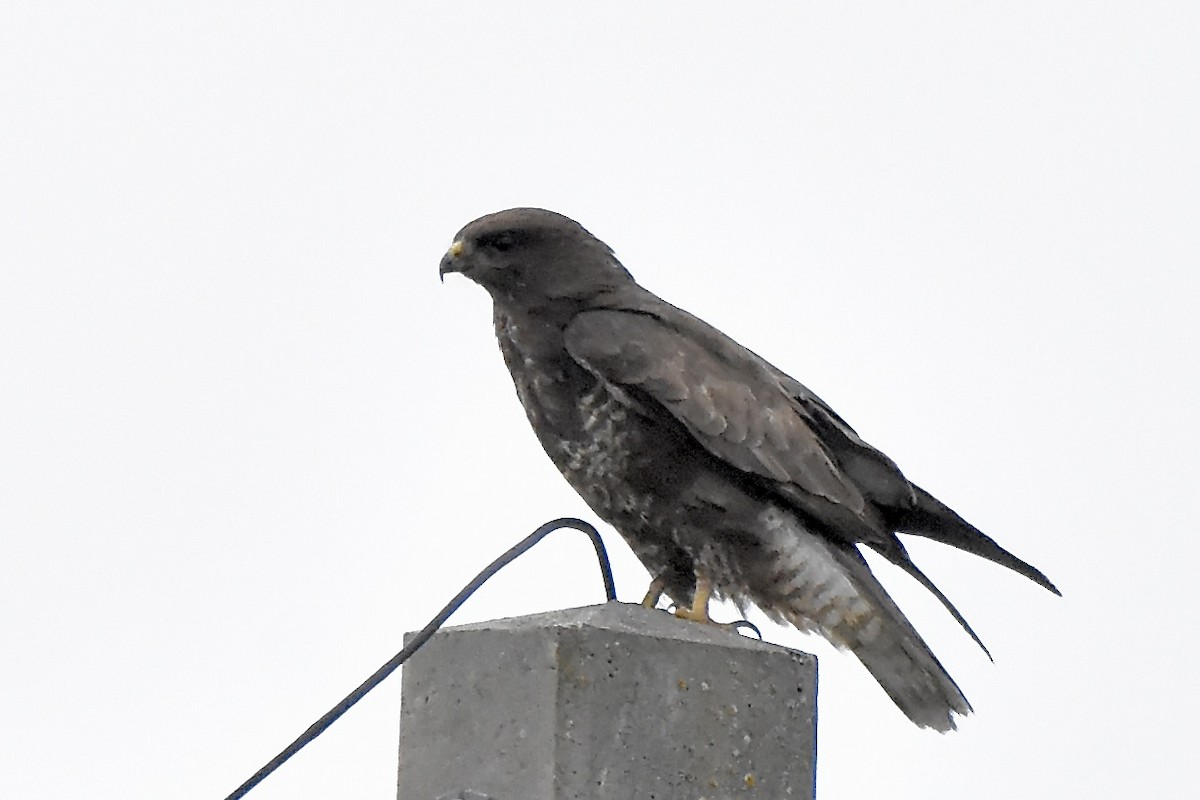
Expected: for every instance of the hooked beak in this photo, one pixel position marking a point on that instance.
(451, 261)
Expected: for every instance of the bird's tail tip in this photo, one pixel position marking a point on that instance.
(919, 686)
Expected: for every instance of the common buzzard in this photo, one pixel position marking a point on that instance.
(727, 477)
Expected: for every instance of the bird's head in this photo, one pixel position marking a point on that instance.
(529, 257)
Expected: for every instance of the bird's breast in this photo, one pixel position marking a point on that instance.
(616, 456)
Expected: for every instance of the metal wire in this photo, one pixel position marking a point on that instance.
(318, 727)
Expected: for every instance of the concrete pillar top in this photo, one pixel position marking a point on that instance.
(606, 702)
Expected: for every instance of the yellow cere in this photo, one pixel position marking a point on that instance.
(456, 248)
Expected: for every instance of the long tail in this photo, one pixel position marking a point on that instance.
(933, 519)
(852, 609)
(899, 659)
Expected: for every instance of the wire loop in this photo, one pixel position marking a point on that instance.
(414, 644)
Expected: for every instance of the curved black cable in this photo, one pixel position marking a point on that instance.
(318, 727)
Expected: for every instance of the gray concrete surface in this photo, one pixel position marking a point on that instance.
(605, 702)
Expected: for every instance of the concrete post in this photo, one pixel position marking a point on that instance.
(610, 702)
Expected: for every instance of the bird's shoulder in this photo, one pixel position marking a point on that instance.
(729, 399)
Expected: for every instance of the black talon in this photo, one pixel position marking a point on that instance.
(745, 623)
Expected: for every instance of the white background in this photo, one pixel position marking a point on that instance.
(247, 439)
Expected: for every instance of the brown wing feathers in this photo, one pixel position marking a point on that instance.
(765, 430)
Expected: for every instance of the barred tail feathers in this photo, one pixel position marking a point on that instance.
(898, 658)
(828, 588)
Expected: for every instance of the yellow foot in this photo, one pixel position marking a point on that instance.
(653, 594)
(699, 609)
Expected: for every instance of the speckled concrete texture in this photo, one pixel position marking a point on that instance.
(611, 702)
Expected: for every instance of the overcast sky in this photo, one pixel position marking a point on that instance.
(247, 439)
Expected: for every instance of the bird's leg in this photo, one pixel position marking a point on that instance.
(698, 612)
(654, 593)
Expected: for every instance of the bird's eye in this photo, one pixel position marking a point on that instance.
(501, 242)
(504, 242)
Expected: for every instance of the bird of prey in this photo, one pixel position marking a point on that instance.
(726, 477)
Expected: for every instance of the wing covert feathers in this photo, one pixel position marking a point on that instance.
(735, 410)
